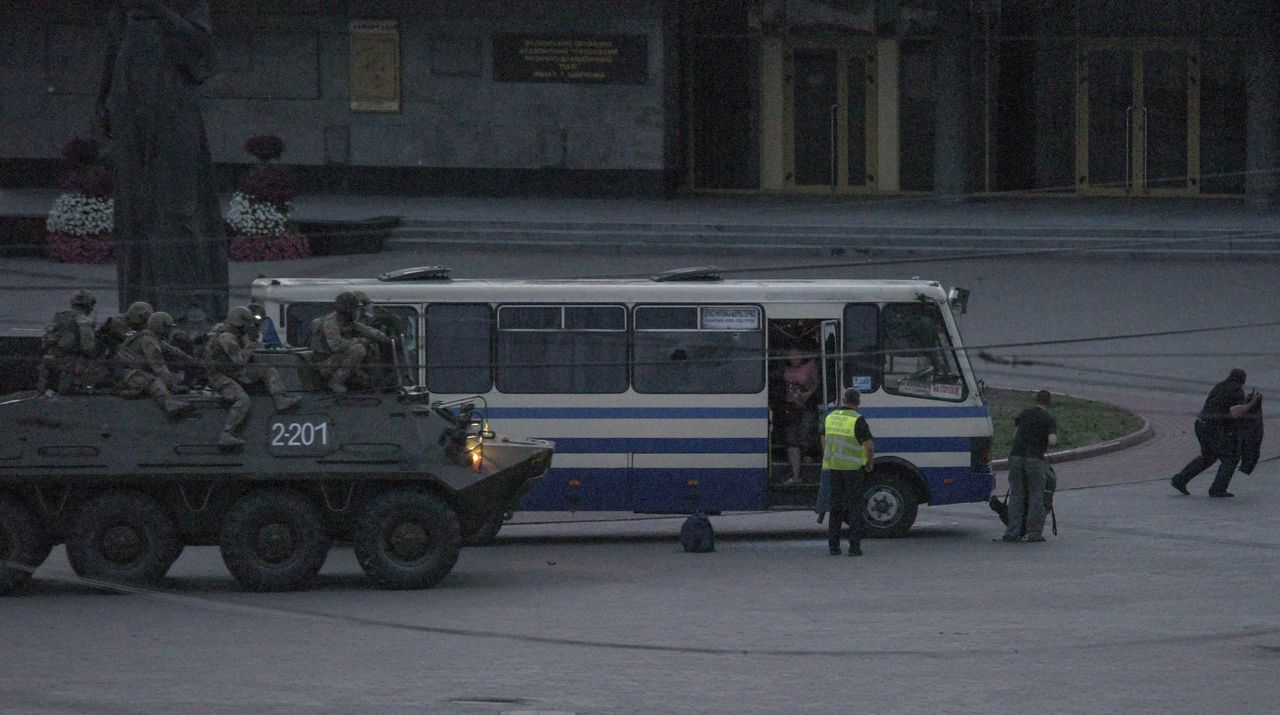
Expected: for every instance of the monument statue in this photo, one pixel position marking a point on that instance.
(170, 249)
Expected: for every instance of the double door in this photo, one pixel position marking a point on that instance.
(1137, 118)
(831, 117)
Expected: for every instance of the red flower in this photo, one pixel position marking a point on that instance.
(81, 152)
(268, 184)
(66, 248)
(266, 248)
(265, 146)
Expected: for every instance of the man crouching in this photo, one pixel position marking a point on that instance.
(229, 362)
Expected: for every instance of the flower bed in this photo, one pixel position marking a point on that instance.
(259, 231)
(80, 229)
(258, 215)
(81, 221)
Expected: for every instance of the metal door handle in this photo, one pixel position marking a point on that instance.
(1128, 146)
(835, 109)
(1145, 144)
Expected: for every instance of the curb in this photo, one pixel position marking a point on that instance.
(1090, 450)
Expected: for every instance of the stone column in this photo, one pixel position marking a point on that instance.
(1262, 125)
(953, 111)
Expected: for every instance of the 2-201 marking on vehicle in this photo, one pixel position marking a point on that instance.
(299, 434)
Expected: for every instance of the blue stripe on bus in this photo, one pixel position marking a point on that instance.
(683, 489)
(734, 445)
(660, 445)
(707, 413)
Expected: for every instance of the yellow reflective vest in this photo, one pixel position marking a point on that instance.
(843, 450)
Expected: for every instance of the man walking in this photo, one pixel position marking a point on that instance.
(1217, 430)
(848, 453)
(1036, 432)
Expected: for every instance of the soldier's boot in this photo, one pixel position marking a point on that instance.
(338, 381)
(285, 402)
(279, 395)
(175, 408)
(228, 440)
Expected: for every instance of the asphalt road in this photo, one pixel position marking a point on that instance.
(1146, 601)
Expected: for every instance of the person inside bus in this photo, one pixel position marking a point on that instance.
(799, 414)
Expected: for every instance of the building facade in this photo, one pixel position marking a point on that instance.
(649, 97)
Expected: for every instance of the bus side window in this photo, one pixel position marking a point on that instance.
(919, 358)
(708, 350)
(864, 363)
(562, 349)
(459, 339)
(298, 317)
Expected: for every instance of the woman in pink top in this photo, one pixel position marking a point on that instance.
(799, 415)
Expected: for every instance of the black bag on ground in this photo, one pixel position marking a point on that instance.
(696, 535)
(1001, 505)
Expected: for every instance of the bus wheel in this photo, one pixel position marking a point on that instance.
(487, 535)
(122, 537)
(273, 540)
(407, 539)
(890, 506)
(23, 544)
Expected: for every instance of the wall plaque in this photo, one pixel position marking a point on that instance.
(375, 66)
(572, 59)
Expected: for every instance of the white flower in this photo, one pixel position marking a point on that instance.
(79, 215)
(247, 217)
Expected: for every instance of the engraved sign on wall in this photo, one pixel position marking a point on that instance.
(573, 59)
(375, 66)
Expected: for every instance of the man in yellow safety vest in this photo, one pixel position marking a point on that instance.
(848, 455)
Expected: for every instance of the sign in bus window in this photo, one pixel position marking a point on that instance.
(918, 357)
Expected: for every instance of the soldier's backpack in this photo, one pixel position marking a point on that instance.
(62, 333)
(1000, 505)
(696, 535)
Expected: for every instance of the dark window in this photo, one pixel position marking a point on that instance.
(401, 319)
(863, 362)
(712, 349)
(562, 349)
(918, 357)
(458, 347)
(298, 317)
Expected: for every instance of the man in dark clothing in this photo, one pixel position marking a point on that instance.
(848, 454)
(1217, 430)
(1036, 432)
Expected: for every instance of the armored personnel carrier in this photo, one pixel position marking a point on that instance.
(400, 478)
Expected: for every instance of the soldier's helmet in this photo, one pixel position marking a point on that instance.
(241, 317)
(160, 323)
(347, 302)
(84, 299)
(139, 313)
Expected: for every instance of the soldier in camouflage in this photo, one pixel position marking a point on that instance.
(71, 349)
(111, 335)
(340, 343)
(229, 363)
(141, 359)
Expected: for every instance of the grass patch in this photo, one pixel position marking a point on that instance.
(1080, 422)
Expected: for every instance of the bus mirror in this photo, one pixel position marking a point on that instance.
(958, 298)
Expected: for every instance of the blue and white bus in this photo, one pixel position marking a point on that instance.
(663, 394)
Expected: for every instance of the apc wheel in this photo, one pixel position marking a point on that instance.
(487, 535)
(273, 540)
(407, 540)
(23, 544)
(890, 505)
(124, 537)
